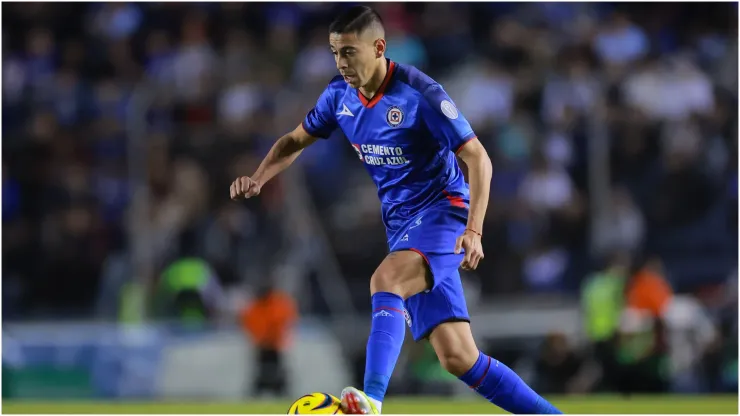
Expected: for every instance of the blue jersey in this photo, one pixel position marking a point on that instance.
(407, 136)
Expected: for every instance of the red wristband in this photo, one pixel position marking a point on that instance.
(472, 230)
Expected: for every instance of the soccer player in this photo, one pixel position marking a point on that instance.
(407, 132)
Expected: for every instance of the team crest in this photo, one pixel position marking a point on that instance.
(357, 150)
(394, 116)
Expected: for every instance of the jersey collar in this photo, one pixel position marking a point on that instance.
(378, 95)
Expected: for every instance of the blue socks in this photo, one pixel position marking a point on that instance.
(502, 387)
(384, 344)
(490, 378)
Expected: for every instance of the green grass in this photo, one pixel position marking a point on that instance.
(668, 404)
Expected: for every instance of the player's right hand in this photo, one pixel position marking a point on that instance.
(244, 187)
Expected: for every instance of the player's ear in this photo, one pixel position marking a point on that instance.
(379, 47)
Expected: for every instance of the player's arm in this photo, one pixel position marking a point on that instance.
(319, 122)
(282, 154)
(480, 171)
(453, 131)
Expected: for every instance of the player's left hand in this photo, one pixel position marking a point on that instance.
(470, 242)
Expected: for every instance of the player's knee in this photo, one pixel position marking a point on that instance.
(457, 362)
(404, 273)
(455, 347)
(392, 282)
(387, 281)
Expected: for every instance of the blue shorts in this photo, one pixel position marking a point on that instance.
(432, 234)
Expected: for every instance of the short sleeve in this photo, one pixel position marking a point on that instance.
(443, 119)
(321, 120)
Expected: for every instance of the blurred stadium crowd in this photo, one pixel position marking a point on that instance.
(538, 82)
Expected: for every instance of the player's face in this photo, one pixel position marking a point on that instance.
(355, 56)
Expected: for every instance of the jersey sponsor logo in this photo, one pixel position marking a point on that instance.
(449, 109)
(377, 155)
(394, 116)
(345, 111)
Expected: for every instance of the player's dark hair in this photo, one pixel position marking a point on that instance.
(356, 19)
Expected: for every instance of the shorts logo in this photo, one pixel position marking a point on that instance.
(357, 150)
(416, 223)
(394, 116)
(449, 110)
(407, 316)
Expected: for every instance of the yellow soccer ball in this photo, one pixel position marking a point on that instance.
(316, 404)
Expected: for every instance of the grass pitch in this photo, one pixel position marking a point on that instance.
(668, 404)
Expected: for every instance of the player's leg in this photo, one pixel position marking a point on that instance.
(400, 275)
(455, 347)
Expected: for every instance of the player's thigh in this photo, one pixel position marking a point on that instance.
(403, 272)
(455, 347)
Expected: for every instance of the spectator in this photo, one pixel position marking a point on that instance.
(647, 290)
(195, 60)
(403, 45)
(117, 20)
(624, 226)
(547, 188)
(620, 41)
(670, 89)
(641, 354)
(544, 267)
(269, 321)
(575, 89)
(602, 302)
(189, 291)
(486, 95)
(559, 366)
(313, 64)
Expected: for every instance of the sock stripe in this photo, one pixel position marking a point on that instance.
(388, 308)
(504, 388)
(480, 380)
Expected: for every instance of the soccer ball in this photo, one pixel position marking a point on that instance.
(316, 404)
